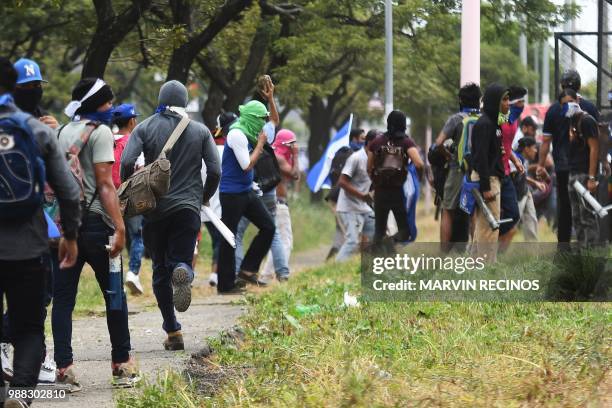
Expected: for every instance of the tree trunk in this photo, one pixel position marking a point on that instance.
(320, 124)
(111, 29)
(213, 106)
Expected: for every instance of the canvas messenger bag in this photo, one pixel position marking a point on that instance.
(141, 191)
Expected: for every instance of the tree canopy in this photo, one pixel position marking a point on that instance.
(326, 56)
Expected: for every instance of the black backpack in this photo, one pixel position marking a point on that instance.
(267, 170)
(390, 165)
(338, 163)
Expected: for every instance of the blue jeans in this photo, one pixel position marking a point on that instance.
(354, 224)
(279, 257)
(93, 237)
(509, 205)
(134, 230)
(170, 241)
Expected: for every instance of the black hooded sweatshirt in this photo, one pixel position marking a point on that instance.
(486, 138)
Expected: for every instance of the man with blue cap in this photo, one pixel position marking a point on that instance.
(124, 117)
(29, 91)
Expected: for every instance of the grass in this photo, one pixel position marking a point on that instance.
(304, 348)
(313, 225)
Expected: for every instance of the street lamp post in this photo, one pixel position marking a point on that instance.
(388, 57)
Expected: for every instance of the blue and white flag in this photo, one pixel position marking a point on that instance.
(318, 175)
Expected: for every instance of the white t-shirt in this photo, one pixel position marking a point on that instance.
(356, 168)
(237, 141)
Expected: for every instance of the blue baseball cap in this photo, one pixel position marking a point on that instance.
(27, 71)
(125, 111)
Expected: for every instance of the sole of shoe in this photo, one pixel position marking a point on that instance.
(134, 290)
(125, 382)
(181, 289)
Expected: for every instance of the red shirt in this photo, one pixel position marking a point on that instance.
(120, 143)
(508, 132)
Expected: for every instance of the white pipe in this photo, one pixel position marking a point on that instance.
(470, 42)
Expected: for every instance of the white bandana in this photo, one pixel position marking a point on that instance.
(73, 106)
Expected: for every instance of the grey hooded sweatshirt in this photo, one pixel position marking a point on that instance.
(196, 143)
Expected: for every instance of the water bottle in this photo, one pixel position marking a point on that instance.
(115, 281)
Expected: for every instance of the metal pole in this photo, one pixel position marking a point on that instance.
(536, 68)
(428, 141)
(470, 42)
(523, 49)
(600, 13)
(546, 73)
(388, 57)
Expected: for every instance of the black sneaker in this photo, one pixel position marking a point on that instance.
(250, 278)
(181, 287)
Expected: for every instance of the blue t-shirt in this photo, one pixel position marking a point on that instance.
(557, 126)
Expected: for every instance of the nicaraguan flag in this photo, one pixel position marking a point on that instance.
(318, 175)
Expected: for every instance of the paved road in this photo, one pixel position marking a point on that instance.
(206, 317)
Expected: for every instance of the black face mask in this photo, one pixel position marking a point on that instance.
(28, 99)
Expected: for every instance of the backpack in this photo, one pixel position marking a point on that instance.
(51, 205)
(267, 169)
(338, 163)
(390, 165)
(464, 148)
(141, 191)
(22, 170)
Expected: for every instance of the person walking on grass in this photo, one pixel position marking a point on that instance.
(24, 238)
(171, 229)
(89, 137)
(354, 202)
(487, 165)
(286, 152)
(388, 157)
(124, 117)
(243, 148)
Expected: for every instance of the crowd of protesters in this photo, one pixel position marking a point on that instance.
(489, 146)
(66, 203)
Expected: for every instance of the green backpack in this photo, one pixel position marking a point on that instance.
(464, 149)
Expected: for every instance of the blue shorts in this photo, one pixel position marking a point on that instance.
(509, 205)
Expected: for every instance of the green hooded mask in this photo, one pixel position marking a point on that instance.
(252, 120)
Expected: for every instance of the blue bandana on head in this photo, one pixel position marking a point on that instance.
(6, 98)
(515, 113)
(105, 117)
(161, 108)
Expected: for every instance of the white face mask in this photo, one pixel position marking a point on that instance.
(572, 109)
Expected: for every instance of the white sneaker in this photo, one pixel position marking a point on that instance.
(6, 354)
(132, 281)
(213, 280)
(47, 371)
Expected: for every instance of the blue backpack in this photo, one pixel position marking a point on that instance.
(22, 170)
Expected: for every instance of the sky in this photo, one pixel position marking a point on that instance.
(587, 21)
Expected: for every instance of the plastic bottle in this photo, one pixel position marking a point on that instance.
(115, 281)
